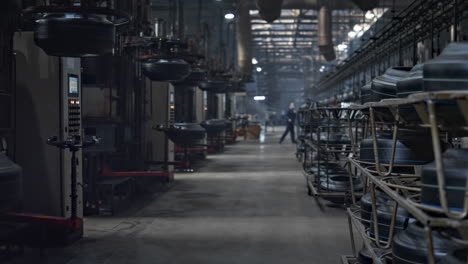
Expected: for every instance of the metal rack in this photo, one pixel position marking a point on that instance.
(396, 42)
(304, 130)
(330, 138)
(404, 189)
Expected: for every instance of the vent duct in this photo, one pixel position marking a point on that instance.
(244, 39)
(325, 34)
(365, 5)
(269, 10)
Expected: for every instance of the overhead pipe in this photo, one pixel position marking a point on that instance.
(230, 43)
(199, 24)
(269, 10)
(222, 46)
(180, 20)
(325, 37)
(366, 5)
(206, 41)
(244, 39)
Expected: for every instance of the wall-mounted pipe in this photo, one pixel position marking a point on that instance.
(325, 34)
(244, 39)
(270, 10)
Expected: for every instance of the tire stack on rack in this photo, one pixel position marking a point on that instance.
(326, 144)
(415, 206)
(303, 119)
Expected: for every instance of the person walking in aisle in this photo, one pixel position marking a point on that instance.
(291, 115)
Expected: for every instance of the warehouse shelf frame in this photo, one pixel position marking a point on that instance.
(349, 260)
(344, 119)
(381, 176)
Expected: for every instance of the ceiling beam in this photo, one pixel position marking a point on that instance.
(280, 30)
(285, 36)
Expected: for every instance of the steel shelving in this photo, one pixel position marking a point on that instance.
(404, 189)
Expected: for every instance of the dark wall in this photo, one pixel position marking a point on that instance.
(7, 27)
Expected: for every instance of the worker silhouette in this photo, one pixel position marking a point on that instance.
(291, 116)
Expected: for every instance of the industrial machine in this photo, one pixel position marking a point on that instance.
(159, 149)
(48, 103)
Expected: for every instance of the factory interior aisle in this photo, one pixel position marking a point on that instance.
(247, 205)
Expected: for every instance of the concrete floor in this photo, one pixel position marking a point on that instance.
(248, 205)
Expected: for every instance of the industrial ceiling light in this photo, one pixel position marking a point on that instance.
(254, 61)
(259, 98)
(352, 34)
(357, 28)
(342, 47)
(259, 69)
(229, 16)
(369, 15)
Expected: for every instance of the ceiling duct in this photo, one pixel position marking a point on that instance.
(244, 39)
(325, 34)
(270, 10)
(365, 5)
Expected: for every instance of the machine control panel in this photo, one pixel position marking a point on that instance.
(74, 106)
(171, 107)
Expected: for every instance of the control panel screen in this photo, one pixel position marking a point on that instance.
(171, 98)
(73, 84)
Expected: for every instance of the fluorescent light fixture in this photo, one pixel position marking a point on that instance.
(370, 15)
(259, 69)
(254, 61)
(352, 34)
(357, 28)
(259, 98)
(342, 47)
(229, 16)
